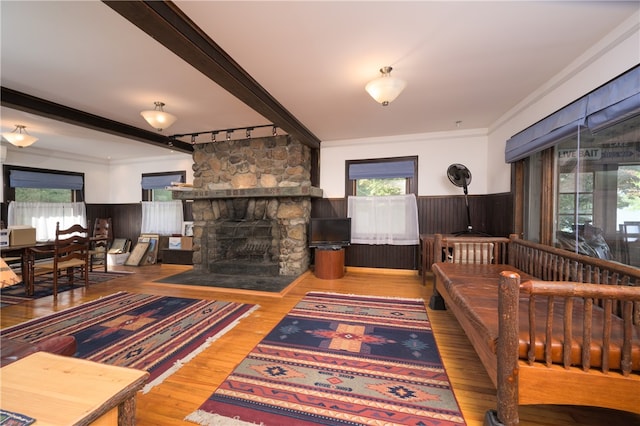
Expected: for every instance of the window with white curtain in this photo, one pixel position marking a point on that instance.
(381, 196)
(162, 217)
(389, 219)
(44, 216)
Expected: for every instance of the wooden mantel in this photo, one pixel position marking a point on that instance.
(293, 191)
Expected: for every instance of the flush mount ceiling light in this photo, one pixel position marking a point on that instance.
(385, 88)
(157, 118)
(19, 137)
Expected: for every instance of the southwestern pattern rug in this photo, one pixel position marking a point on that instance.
(340, 360)
(158, 334)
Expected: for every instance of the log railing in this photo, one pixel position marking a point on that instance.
(469, 249)
(507, 351)
(555, 264)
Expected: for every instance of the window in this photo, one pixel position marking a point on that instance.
(161, 214)
(382, 201)
(597, 192)
(39, 185)
(575, 199)
(42, 198)
(154, 185)
(388, 176)
(580, 170)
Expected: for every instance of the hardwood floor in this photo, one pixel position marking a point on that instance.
(184, 391)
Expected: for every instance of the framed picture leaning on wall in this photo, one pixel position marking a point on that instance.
(151, 256)
(138, 252)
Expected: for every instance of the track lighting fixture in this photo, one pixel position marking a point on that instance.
(248, 132)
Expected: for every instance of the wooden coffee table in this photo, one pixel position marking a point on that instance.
(58, 390)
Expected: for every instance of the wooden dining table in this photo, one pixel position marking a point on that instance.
(61, 390)
(23, 252)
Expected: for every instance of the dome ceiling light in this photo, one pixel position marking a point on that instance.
(385, 88)
(157, 118)
(19, 137)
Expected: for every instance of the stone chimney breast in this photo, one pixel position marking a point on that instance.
(251, 205)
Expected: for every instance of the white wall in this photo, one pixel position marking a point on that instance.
(435, 151)
(106, 182)
(483, 150)
(130, 174)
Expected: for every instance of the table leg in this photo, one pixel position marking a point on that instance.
(127, 412)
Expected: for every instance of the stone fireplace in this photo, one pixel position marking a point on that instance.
(251, 206)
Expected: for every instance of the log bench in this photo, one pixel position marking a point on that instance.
(549, 326)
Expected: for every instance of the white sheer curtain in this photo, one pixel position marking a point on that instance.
(44, 216)
(162, 217)
(389, 219)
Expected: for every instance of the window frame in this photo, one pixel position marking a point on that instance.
(147, 194)
(411, 184)
(77, 195)
(537, 181)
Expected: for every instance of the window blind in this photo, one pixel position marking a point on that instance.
(609, 104)
(27, 179)
(160, 181)
(381, 170)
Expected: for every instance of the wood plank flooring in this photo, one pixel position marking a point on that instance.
(184, 391)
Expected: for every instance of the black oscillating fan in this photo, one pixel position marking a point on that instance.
(460, 176)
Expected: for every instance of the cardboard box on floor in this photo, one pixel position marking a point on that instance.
(116, 258)
(22, 235)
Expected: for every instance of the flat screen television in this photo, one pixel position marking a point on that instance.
(330, 232)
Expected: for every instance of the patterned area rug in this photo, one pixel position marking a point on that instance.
(340, 359)
(153, 333)
(9, 418)
(15, 294)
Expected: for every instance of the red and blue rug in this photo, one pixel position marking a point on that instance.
(153, 333)
(340, 360)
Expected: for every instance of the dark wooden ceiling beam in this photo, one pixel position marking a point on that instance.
(24, 102)
(166, 23)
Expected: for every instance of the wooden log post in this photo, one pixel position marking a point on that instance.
(507, 348)
(436, 302)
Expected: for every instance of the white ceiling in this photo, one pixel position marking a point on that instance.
(463, 61)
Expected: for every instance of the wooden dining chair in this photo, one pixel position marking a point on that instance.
(68, 256)
(100, 243)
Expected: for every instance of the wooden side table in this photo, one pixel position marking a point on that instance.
(55, 389)
(329, 264)
(177, 256)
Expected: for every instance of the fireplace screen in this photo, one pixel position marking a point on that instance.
(242, 246)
